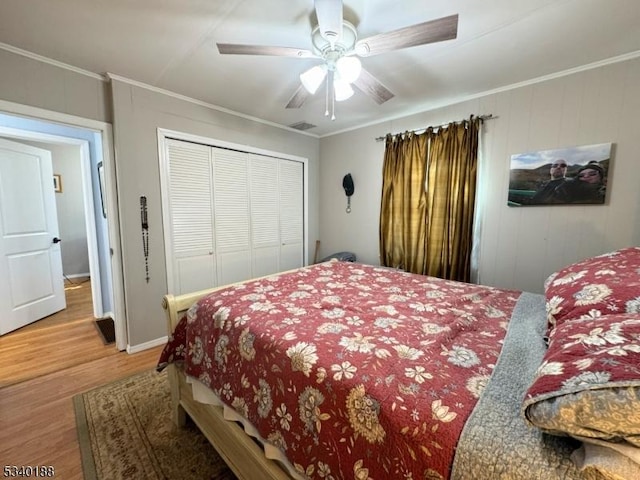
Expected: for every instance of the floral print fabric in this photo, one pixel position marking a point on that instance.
(601, 285)
(353, 371)
(588, 384)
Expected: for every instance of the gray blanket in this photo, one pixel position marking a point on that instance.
(496, 443)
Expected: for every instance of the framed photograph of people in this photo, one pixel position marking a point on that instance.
(57, 183)
(572, 175)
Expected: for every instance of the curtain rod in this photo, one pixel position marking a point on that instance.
(481, 117)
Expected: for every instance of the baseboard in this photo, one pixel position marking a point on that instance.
(77, 275)
(147, 345)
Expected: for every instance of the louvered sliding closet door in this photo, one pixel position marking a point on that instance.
(231, 215)
(291, 186)
(191, 205)
(265, 221)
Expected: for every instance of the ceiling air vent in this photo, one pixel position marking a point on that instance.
(302, 125)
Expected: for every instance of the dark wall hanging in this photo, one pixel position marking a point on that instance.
(349, 188)
(144, 222)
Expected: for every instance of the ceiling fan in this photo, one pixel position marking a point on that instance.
(335, 42)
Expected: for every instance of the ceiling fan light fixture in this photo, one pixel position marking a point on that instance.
(342, 90)
(323, 44)
(313, 78)
(349, 68)
(335, 41)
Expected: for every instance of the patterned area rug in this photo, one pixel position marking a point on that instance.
(125, 431)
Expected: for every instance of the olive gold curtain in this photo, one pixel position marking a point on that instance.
(402, 212)
(428, 200)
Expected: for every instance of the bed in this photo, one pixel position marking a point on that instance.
(345, 370)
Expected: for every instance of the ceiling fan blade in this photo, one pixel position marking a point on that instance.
(445, 28)
(298, 98)
(329, 15)
(369, 85)
(239, 49)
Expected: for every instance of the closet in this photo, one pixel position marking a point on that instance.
(232, 215)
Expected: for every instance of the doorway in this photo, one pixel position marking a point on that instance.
(76, 220)
(93, 139)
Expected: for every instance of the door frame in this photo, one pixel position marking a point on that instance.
(113, 213)
(88, 203)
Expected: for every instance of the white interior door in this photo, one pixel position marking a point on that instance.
(191, 223)
(231, 212)
(31, 279)
(265, 221)
(291, 214)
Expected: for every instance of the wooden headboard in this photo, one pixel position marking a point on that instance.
(177, 305)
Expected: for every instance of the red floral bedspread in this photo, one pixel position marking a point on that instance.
(353, 371)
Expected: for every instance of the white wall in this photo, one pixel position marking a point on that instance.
(70, 207)
(359, 154)
(30, 82)
(519, 247)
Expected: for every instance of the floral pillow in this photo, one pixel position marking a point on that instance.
(588, 384)
(601, 285)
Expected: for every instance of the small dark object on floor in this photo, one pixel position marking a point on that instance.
(342, 256)
(106, 329)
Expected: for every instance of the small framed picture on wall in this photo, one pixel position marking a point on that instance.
(57, 183)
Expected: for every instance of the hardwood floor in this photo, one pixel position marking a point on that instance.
(42, 366)
(56, 342)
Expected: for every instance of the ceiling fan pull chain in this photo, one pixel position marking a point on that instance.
(326, 100)
(333, 107)
(331, 92)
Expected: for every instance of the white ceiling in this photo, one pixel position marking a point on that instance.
(171, 45)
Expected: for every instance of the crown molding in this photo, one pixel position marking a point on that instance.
(418, 109)
(195, 101)
(435, 106)
(110, 76)
(50, 61)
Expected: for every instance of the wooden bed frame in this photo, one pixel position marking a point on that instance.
(241, 453)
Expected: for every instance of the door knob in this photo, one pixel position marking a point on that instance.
(56, 240)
